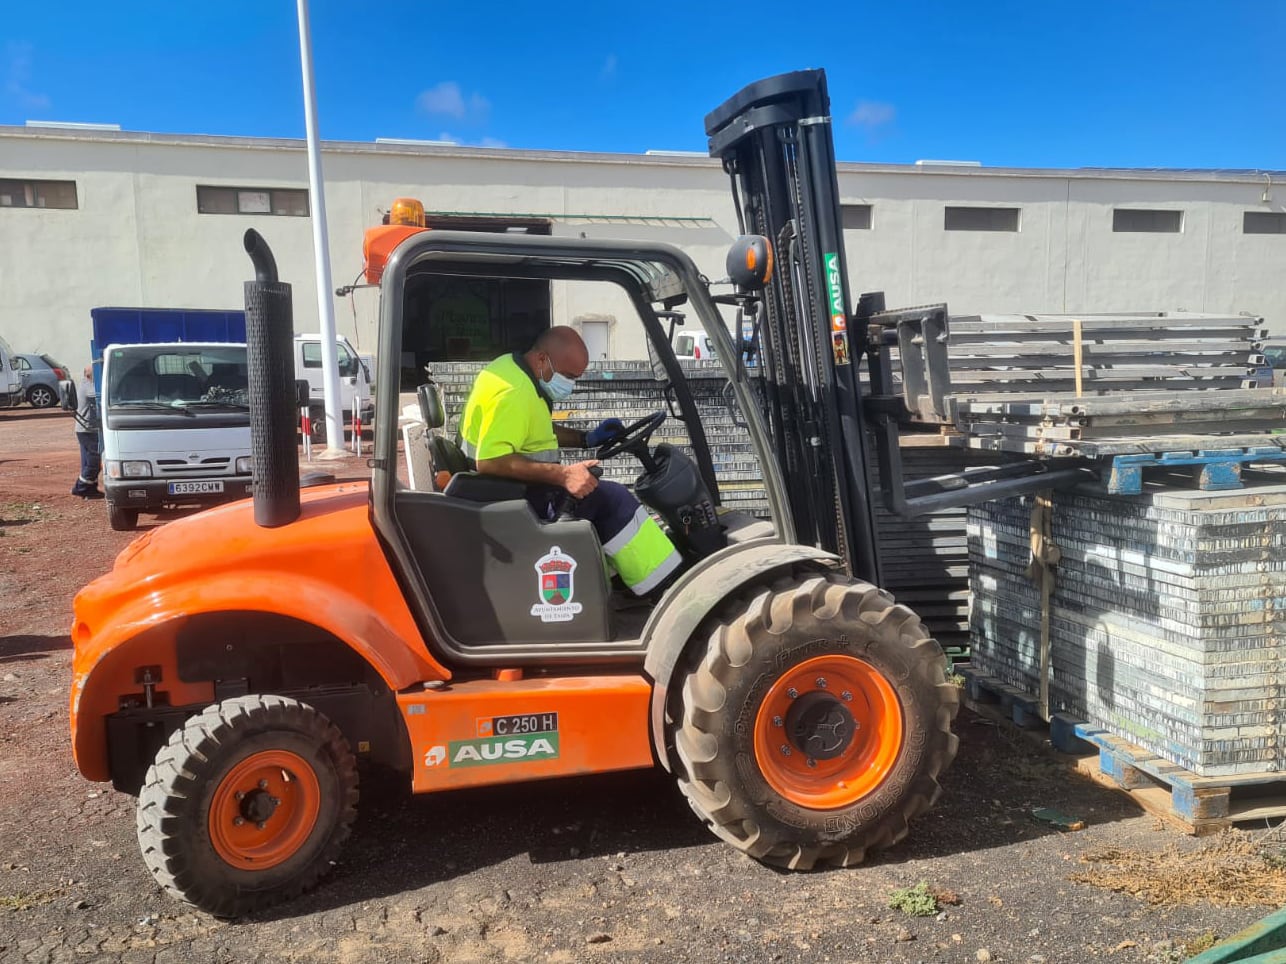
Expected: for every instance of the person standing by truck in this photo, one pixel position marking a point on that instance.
(87, 427)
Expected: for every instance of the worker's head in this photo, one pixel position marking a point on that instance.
(89, 371)
(558, 358)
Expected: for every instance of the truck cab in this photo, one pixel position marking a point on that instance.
(354, 379)
(176, 427)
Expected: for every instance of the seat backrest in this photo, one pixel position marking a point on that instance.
(447, 456)
(431, 408)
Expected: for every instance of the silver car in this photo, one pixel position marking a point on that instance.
(40, 377)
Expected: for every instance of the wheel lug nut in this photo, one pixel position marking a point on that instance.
(274, 801)
(821, 682)
(846, 696)
(240, 795)
(260, 824)
(777, 721)
(812, 762)
(785, 750)
(263, 784)
(238, 821)
(792, 692)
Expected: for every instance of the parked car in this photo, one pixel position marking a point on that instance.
(40, 377)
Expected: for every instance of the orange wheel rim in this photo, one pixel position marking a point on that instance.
(828, 732)
(264, 810)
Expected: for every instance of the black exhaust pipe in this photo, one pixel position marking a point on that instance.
(270, 330)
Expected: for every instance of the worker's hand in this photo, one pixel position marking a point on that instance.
(606, 429)
(577, 479)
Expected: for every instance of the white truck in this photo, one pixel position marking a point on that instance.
(354, 381)
(10, 380)
(176, 427)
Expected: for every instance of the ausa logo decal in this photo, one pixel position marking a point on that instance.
(555, 587)
(835, 293)
(513, 749)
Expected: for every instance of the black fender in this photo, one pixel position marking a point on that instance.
(696, 595)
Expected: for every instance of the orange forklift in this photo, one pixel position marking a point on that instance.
(233, 667)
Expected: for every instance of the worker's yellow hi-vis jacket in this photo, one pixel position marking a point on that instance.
(506, 414)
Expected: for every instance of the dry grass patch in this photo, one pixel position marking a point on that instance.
(1233, 870)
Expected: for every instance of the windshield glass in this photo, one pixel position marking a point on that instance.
(178, 376)
(313, 357)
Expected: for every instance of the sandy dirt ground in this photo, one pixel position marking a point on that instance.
(605, 868)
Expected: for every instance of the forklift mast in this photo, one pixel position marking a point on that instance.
(774, 138)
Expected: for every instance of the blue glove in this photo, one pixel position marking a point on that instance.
(605, 430)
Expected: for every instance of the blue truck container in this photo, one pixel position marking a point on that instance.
(144, 326)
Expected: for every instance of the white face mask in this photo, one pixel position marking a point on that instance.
(558, 386)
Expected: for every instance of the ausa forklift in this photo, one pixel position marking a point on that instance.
(234, 666)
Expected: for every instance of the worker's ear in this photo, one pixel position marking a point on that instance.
(750, 261)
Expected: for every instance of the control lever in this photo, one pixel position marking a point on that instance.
(567, 501)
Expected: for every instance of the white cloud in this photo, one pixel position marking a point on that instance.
(491, 142)
(17, 74)
(448, 100)
(872, 115)
(608, 71)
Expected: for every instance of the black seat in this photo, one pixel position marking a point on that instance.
(465, 482)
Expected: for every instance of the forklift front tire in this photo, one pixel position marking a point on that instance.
(248, 804)
(815, 723)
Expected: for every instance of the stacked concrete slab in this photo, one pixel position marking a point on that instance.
(1167, 618)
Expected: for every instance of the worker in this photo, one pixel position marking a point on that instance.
(507, 429)
(87, 427)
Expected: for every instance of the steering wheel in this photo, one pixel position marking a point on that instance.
(631, 438)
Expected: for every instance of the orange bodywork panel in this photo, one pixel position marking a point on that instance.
(378, 245)
(326, 569)
(486, 732)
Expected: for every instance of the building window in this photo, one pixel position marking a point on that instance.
(38, 194)
(980, 219)
(1156, 222)
(857, 217)
(288, 202)
(1263, 222)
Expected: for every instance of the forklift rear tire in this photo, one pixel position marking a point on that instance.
(248, 804)
(122, 520)
(815, 723)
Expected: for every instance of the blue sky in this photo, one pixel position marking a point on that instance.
(1043, 83)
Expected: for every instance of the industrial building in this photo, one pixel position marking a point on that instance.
(92, 216)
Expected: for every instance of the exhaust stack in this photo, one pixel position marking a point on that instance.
(269, 334)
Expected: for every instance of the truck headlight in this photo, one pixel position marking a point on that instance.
(243, 464)
(136, 470)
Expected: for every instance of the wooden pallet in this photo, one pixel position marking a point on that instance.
(1194, 804)
(1199, 805)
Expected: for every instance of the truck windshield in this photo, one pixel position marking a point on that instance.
(179, 377)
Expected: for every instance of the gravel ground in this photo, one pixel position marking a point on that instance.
(604, 868)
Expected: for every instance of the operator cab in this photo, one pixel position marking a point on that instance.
(497, 585)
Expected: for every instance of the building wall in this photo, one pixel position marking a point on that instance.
(137, 238)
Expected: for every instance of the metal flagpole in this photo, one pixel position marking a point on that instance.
(321, 249)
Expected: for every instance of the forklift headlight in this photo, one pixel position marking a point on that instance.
(243, 464)
(750, 261)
